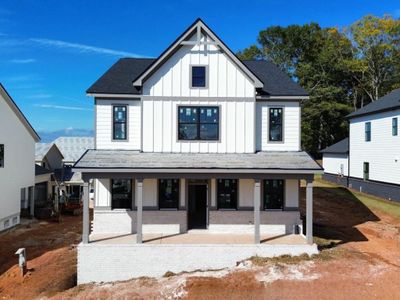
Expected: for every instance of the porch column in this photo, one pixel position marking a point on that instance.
(257, 196)
(32, 201)
(309, 212)
(139, 210)
(85, 200)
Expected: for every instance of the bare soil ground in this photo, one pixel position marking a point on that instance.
(360, 259)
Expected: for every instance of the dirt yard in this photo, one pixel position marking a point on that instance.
(360, 259)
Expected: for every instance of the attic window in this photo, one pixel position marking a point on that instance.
(198, 76)
(1, 156)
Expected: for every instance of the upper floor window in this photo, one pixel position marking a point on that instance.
(275, 124)
(168, 195)
(395, 127)
(368, 131)
(121, 193)
(273, 194)
(227, 193)
(366, 171)
(119, 122)
(199, 76)
(2, 156)
(198, 123)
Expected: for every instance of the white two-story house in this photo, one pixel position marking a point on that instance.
(197, 163)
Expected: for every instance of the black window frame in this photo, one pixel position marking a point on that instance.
(395, 126)
(221, 184)
(266, 190)
(366, 170)
(2, 155)
(192, 74)
(114, 122)
(198, 123)
(270, 125)
(367, 131)
(130, 193)
(162, 203)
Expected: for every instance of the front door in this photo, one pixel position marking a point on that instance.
(197, 216)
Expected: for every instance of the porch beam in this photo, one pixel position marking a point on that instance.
(85, 199)
(257, 196)
(139, 211)
(309, 212)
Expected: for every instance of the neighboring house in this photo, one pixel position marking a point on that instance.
(335, 161)
(17, 161)
(374, 148)
(197, 163)
(58, 157)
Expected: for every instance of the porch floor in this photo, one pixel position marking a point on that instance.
(198, 238)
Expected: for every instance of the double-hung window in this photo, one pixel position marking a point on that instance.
(119, 122)
(368, 131)
(121, 193)
(395, 127)
(198, 123)
(1, 156)
(168, 193)
(273, 194)
(275, 125)
(366, 171)
(199, 77)
(227, 193)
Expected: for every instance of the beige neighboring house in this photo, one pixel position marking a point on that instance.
(17, 162)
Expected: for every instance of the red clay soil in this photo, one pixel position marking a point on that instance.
(361, 261)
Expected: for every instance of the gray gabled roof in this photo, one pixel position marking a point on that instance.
(340, 147)
(118, 79)
(41, 150)
(390, 101)
(72, 148)
(206, 162)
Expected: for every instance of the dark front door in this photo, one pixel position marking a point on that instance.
(197, 206)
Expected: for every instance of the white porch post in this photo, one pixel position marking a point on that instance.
(257, 196)
(309, 212)
(32, 202)
(85, 199)
(139, 212)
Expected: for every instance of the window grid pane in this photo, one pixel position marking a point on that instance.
(394, 127)
(119, 122)
(275, 124)
(227, 193)
(121, 193)
(198, 76)
(168, 193)
(198, 123)
(368, 131)
(273, 194)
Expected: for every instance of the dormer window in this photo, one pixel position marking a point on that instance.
(198, 76)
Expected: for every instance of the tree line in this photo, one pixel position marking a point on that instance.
(342, 69)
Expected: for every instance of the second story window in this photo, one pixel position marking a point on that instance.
(119, 122)
(1, 156)
(368, 131)
(395, 127)
(198, 123)
(275, 125)
(199, 76)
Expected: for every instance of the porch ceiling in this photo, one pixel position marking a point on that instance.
(133, 161)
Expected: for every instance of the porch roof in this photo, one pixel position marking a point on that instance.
(135, 161)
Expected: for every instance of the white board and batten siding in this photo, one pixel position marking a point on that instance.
(291, 126)
(382, 152)
(336, 163)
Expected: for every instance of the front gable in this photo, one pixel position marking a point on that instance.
(170, 74)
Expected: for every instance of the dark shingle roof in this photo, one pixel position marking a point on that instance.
(276, 82)
(39, 170)
(118, 79)
(339, 147)
(388, 102)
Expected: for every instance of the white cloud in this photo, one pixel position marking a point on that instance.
(81, 48)
(51, 106)
(40, 96)
(23, 60)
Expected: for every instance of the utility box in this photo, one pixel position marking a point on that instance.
(21, 252)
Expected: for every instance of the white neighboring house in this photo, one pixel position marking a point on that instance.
(17, 161)
(373, 149)
(197, 163)
(335, 161)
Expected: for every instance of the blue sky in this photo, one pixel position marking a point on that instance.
(52, 51)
